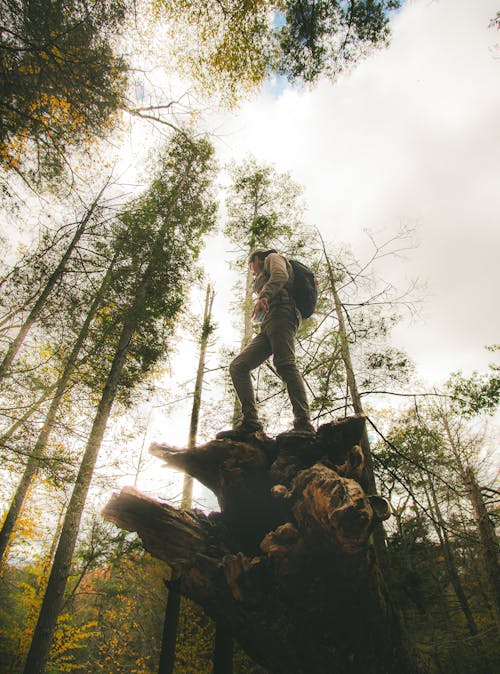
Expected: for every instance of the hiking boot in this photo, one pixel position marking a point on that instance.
(240, 431)
(303, 428)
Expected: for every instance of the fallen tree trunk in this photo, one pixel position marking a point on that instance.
(287, 563)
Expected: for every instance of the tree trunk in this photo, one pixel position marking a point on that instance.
(29, 412)
(454, 577)
(287, 563)
(51, 282)
(450, 560)
(223, 651)
(368, 478)
(53, 599)
(33, 463)
(170, 626)
(488, 543)
(187, 491)
(247, 333)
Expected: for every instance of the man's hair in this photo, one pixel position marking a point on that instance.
(261, 254)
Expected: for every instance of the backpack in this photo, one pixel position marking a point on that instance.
(304, 291)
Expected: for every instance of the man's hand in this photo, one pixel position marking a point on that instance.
(262, 304)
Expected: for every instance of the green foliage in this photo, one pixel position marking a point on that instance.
(231, 46)
(433, 548)
(226, 46)
(325, 36)
(113, 623)
(158, 234)
(20, 600)
(263, 208)
(386, 366)
(60, 82)
(477, 393)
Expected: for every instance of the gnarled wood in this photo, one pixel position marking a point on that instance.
(288, 562)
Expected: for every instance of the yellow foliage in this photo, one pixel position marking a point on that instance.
(67, 640)
(227, 47)
(57, 53)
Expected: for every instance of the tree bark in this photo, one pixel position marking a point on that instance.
(287, 564)
(170, 625)
(223, 651)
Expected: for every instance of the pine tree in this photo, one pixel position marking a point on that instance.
(164, 230)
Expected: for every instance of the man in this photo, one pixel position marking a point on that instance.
(273, 282)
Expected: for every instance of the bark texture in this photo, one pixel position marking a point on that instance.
(287, 563)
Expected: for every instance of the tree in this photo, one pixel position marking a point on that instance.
(40, 295)
(369, 308)
(239, 44)
(427, 461)
(324, 37)
(60, 81)
(348, 332)
(163, 230)
(479, 392)
(464, 448)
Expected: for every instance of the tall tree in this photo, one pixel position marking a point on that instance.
(368, 480)
(164, 230)
(429, 472)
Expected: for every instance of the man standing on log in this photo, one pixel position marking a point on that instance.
(275, 307)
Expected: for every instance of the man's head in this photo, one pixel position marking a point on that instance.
(257, 259)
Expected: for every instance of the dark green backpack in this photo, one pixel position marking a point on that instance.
(305, 290)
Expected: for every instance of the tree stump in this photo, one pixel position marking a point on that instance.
(287, 563)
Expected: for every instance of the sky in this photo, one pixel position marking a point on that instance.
(411, 136)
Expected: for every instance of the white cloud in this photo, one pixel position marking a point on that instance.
(412, 134)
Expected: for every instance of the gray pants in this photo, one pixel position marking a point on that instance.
(277, 337)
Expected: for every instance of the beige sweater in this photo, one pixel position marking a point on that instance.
(276, 281)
